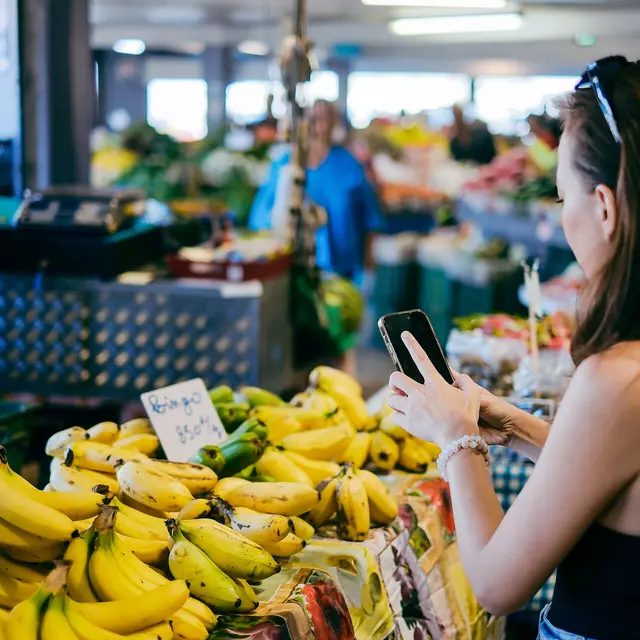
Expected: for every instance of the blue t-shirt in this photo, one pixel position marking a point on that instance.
(340, 186)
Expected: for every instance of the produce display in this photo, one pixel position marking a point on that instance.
(157, 549)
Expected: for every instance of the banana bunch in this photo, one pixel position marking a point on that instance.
(50, 613)
(328, 443)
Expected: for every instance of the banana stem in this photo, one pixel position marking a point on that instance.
(56, 580)
(172, 528)
(106, 519)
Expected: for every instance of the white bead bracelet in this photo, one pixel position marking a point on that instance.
(477, 443)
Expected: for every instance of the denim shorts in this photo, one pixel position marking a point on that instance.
(546, 631)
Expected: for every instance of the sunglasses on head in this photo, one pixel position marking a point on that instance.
(599, 76)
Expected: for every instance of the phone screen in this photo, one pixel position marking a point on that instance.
(417, 323)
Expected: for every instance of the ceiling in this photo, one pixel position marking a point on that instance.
(544, 44)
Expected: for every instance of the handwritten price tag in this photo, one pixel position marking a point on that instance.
(184, 418)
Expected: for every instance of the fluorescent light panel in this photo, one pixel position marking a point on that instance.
(129, 46)
(440, 4)
(253, 48)
(457, 24)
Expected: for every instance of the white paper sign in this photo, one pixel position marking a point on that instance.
(184, 418)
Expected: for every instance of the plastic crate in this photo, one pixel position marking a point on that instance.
(437, 298)
(500, 295)
(17, 422)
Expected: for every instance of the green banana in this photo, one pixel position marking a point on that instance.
(221, 394)
(247, 473)
(209, 456)
(260, 397)
(233, 414)
(240, 453)
(251, 425)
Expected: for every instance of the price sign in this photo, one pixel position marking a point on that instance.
(184, 418)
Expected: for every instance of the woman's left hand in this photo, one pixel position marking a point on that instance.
(435, 411)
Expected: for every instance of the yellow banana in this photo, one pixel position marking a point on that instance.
(145, 484)
(198, 508)
(55, 625)
(77, 556)
(328, 505)
(323, 375)
(275, 464)
(84, 628)
(136, 426)
(160, 631)
(383, 507)
(282, 498)
(58, 442)
(227, 485)
(97, 456)
(301, 528)
(149, 551)
(29, 515)
(141, 442)
(354, 520)
(36, 555)
(139, 612)
(132, 529)
(141, 508)
(248, 598)
(196, 477)
(258, 527)
(204, 579)
(431, 448)
(384, 451)
(154, 526)
(187, 626)
(317, 470)
(413, 457)
(13, 592)
(287, 547)
(77, 505)
(234, 554)
(20, 572)
(257, 397)
(65, 478)
(12, 537)
(308, 419)
(279, 426)
(299, 399)
(320, 401)
(389, 426)
(105, 432)
(358, 450)
(329, 443)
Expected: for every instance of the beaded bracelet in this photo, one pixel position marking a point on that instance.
(476, 443)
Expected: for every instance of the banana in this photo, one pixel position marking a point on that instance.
(328, 505)
(301, 528)
(77, 556)
(82, 526)
(153, 488)
(137, 613)
(13, 537)
(384, 451)
(96, 456)
(132, 529)
(234, 554)
(308, 419)
(204, 579)
(144, 443)
(317, 400)
(209, 456)
(105, 432)
(55, 625)
(358, 450)
(248, 598)
(280, 426)
(84, 628)
(65, 478)
(431, 448)
(232, 414)
(354, 519)
(78, 505)
(258, 397)
(149, 551)
(258, 527)
(198, 508)
(388, 426)
(136, 426)
(287, 547)
(20, 571)
(413, 457)
(160, 631)
(329, 443)
(36, 555)
(141, 508)
(383, 507)
(13, 592)
(154, 526)
(221, 394)
(322, 375)
(317, 470)
(187, 626)
(58, 442)
(29, 515)
(227, 485)
(281, 468)
(282, 498)
(196, 477)
(239, 452)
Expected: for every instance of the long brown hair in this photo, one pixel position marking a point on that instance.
(609, 310)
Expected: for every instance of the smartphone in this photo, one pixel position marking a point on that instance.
(417, 323)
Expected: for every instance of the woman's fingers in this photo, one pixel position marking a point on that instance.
(398, 402)
(403, 383)
(418, 355)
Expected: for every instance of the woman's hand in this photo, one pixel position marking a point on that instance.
(434, 411)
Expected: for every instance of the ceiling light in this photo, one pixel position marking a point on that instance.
(129, 46)
(457, 24)
(253, 48)
(440, 4)
(585, 40)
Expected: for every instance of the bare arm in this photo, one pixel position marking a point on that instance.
(592, 452)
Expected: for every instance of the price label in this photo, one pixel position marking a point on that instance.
(184, 418)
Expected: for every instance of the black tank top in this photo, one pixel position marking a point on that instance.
(597, 593)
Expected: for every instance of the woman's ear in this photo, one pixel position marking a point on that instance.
(607, 210)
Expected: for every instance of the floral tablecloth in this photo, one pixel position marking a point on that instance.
(405, 581)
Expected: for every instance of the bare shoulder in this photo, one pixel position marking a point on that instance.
(615, 371)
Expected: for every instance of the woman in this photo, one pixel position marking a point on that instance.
(580, 511)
